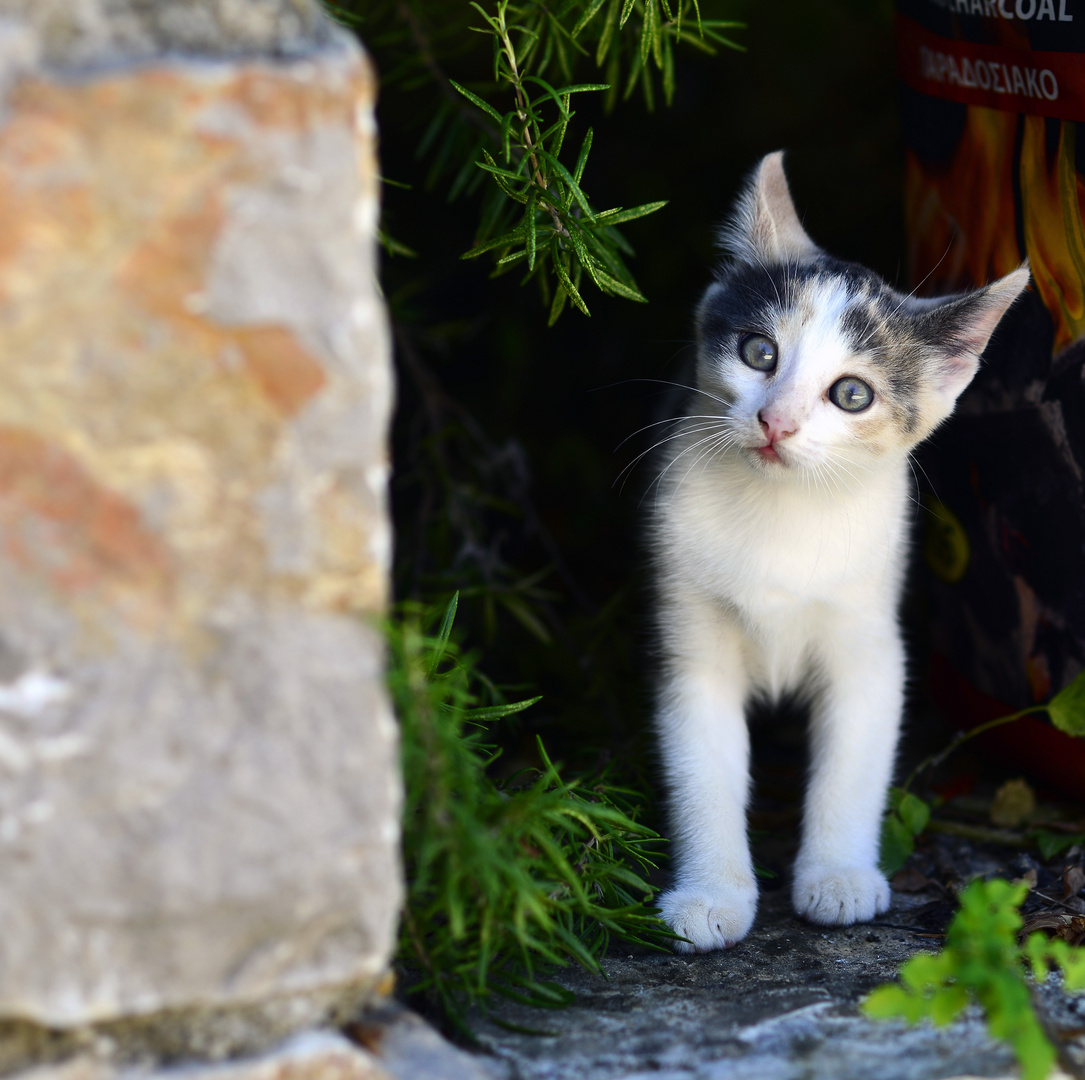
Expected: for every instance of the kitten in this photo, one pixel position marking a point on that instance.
(780, 537)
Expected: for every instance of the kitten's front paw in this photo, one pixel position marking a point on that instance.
(715, 918)
(840, 897)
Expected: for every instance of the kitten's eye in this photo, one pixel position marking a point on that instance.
(850, 394)
(758, 352)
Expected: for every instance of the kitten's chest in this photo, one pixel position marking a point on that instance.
(791, 549)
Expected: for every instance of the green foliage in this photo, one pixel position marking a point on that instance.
(908, 814)
(1050, 843)
(983, 962)
(537, 217)
(504, 880)
(1067, 708)
(906, 818)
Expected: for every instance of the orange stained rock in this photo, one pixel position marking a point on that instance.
(120, 387)
(138, 202)
(58, 523)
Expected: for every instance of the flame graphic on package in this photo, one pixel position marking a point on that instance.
(1052, 193)
(963, 224)
(960, 215)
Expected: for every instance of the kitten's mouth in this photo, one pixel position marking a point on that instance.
(768, 453)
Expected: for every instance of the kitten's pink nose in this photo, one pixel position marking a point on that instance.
(775, 427)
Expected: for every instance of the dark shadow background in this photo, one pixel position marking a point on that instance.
(508, 438)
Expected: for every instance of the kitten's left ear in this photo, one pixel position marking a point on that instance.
(959, 328)
(765, 225)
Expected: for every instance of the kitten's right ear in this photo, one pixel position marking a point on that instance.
(959, 328)
(764, 226)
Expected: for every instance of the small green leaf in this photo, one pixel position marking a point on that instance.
(582, 157)
(698, 43)
(635, 73)
(668, 71)
(507, 262)
(560, 45)
(566, 283)
(697, 11)
(556, 145)
(617, 288)
(499, 712)
(558, 305)
(475, 100)
(574, 187)
(494, 23)
(551, 94)
(946, 1004)
(926, 971)
(1037, 952)
(1050, 844)
(914, 812)
(620, 217)
(646, 31)
(529, 218)
(588, 15)
(582, 255)
(1067, 708)
(1035, 1054)
(627, 9)
(516, 607)
(442, 635)
(506, 136)
(711, 31)
(1072, 962)
(657, 32)
(394, 246)
(490, 166)
(605, 38)
(505, 240)
(580, 87)
(502, 177)
(897, 844)
(891, 1002)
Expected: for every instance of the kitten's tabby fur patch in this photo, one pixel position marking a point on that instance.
(780, 529)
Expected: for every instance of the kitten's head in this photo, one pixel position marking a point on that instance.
(818, 364)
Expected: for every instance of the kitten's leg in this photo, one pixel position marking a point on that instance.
(706, 750)
(854, 738)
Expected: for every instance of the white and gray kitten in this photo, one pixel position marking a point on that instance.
(780, 536)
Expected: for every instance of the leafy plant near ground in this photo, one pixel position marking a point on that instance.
(536, 217)
(908, 814)
(504, 880)
(984, 962)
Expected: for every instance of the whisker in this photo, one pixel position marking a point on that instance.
(908, 296)
(707, 454)
(914, 497)
(669, 420)
(771, 282)
(670, 438)
(726, 437)
(916, 464)
(680, 386)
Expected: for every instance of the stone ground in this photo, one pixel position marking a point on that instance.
(781, 1005)
(784, 1003)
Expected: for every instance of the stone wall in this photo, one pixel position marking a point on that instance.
(198, 787)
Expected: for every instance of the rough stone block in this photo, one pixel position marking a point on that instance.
(199, 791)
(319, 1055)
